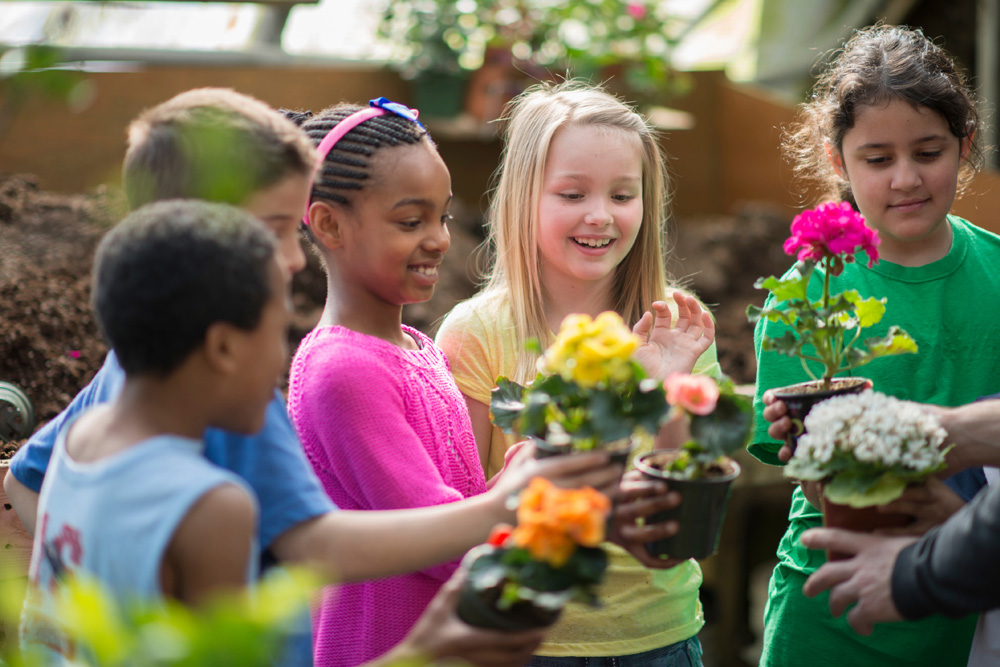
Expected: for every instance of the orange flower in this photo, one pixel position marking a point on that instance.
(551, 521)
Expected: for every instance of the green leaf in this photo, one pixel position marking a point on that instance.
(870, 312)
(506, 403)
(727, 429)
(793, 287)
(862, 488)
(896, 341)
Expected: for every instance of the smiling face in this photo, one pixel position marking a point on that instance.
(280, 207)
(590, 208)
(396, 234)
(902, 164)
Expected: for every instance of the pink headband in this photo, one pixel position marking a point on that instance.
(377, 107)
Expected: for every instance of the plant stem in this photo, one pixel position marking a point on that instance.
(828, 375)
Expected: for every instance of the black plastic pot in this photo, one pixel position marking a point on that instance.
(701, 512)
(802, 397)
(477, 606)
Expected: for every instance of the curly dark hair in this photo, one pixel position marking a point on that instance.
(878, 64)
(169, 271)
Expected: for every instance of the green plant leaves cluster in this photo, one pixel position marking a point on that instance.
(552, 407)
(721, 433)
(244, 629)
(526, 579)
(827, 331)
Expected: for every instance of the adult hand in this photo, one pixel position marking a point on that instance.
(931, 504)
(639, 498)
(865, 578)
(667, 349)
(439, 635)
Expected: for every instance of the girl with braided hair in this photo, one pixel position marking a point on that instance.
(373, 401)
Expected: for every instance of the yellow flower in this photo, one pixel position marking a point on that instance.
(591, 351)
(551, 521)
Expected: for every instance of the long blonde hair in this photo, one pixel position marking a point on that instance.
(531, 120)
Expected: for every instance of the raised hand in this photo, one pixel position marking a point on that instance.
(673, 347)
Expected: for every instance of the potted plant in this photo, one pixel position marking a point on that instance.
(588, 394)
(499, 47)
(825, 334)
(866, 449)
(720, 422)
(523, 576)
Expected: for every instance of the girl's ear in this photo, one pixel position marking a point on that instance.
(835, 158)
(221, 347)
(965, 145)
(326, 222)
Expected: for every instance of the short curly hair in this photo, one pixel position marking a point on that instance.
(169, 271)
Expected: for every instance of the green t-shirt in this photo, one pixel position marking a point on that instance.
(950, 307)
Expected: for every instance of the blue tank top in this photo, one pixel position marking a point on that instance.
(112, 520)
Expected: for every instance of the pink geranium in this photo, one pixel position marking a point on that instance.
(636, 10)
(696, 394)
(834, 231)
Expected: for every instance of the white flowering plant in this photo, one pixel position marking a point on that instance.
(866, 448)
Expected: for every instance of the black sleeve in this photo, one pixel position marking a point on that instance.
(954, 569)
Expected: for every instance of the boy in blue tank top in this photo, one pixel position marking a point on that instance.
(194, 302)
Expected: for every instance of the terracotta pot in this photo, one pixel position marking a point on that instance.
(15, 542)
(800, 399)
(477, 607)
(702, 509)
(860, 520)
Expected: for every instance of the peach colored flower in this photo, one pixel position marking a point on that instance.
(552, 522)
(696, 394)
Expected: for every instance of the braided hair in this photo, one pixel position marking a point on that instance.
(346, 168)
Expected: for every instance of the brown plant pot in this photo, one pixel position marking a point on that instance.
(802, 397)
(702, 510)
(860, 520)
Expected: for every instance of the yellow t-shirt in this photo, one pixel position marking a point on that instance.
(641, 609)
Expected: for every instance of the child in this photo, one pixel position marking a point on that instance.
(577, 219)
(174, 151)
(372, 400)
(192, 299)
(892, 127)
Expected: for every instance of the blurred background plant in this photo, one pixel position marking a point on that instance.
(38, 69)
(627, 44)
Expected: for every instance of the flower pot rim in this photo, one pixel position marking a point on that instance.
(812, 387)
(656, 473)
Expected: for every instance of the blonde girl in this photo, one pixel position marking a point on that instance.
(577, 223)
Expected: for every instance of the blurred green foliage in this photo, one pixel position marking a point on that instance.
(245, 629)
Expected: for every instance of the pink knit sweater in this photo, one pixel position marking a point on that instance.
(384, 428)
